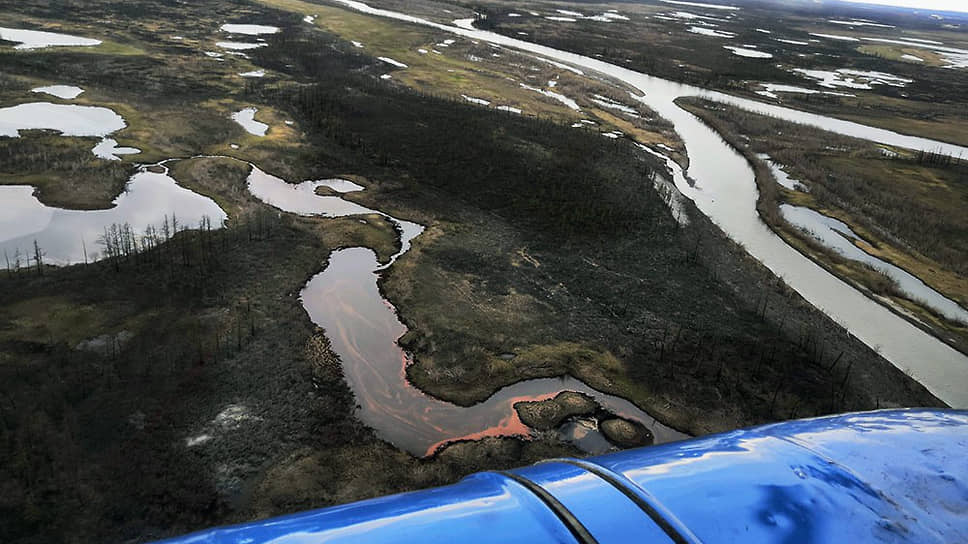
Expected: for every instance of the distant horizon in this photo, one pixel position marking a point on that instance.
(925, 5)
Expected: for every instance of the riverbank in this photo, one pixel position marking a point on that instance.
(197, 381)
(496, 274)
(874, 183)
(469, 71)
(675, 43)
(685, 366)
(183, 365)
(193, 369)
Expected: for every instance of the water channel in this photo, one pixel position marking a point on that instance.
(721, 183)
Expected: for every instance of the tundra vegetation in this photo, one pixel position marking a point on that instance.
(655, 38)
(179, 383)
(908, 206)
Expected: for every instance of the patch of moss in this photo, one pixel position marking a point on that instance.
(550, 413)
(625, 433)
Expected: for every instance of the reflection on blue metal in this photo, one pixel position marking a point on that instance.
(886, 476)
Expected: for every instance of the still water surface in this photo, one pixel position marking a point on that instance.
(71, 236)
(364, 328)
(721, 183)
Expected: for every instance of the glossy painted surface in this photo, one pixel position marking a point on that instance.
(607, 514)
(890, 476)
(483, 508)
(875, 477)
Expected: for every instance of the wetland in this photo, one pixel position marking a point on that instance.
(378, 284)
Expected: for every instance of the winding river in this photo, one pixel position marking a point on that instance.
(345, 300)
(721, 183)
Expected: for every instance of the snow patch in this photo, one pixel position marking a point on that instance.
(479, 101)
(249, 30)
(835, 37)
(711, 32)
(37, 39)
(701, 5)
(749, 53)
(551, 94)
(108, 149)
(240, 46)
(246, 118)
(392, 62)
(67, 92)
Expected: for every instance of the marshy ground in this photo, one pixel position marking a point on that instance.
(689, 44)
(192, 369)
(907, 206)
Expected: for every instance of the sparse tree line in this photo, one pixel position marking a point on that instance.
(180, 250)
(940, 160)
(815, 157)
(764, 381)
(121, 244)
(77, 427)
(60, 399)
(500, 163)
(78, 170)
